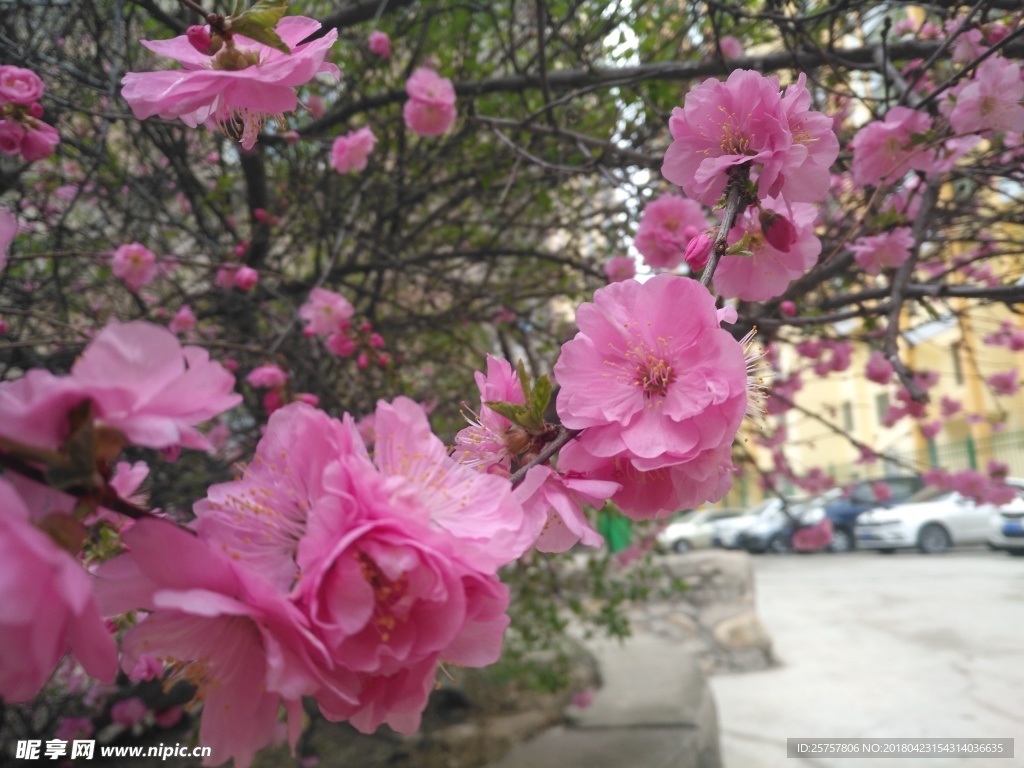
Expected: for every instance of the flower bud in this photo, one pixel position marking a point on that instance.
(201, 39)
(35, 109)
(778, 230)
(698, 251)
(788, 308)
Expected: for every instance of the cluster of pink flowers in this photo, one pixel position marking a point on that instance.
(990, 101)
(886, 250)
(237, 88)
(768, 267)
(984, 488)
(1008, 336)
(659, 394)
(430, 110)
(325, 571)
(145, 390)
(747, 122)
(22, 132)
(666, 228)
(329, 315)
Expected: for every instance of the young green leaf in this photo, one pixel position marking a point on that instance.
(258, 23)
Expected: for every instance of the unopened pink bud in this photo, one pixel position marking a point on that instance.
(35, 109)
(200, 39)
(788, 308)
(362, 361)
(778, 230)
(246, 278)
(376, 340)
(698, 251)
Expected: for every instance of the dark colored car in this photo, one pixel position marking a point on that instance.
(862, 496)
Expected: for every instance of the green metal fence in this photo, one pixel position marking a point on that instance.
(971, 453)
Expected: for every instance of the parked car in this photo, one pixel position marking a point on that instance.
(861, 496)
(1006, 524)
(694, 529)
(773, 531)
(933, 520)
(728, 533)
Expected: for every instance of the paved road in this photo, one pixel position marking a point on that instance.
(905, 645)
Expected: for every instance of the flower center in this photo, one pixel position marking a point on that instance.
(388, 596)
(654, 375)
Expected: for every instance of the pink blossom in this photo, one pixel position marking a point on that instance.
(350, 152)
(315, 105)
(949, 407)
(931, 429)
(184, 320)
(731, 47)
(666, 227)
(430, 110)
(71, 728)
(49, 607)
(746, 121)
(11, 136)
(485, 443)
(885, 250)
(8, 231)
(39, 140)
(380, 43)
(221, 625)
(246, 278)
(267, 377)
(698, 252)
(777, 230)
(788, 308)
(476, 508)
(147, 667)
(167, 718)
(1004, 383)
(19, 86)
(968, 45)
(884, 150)
(990, 101)
(128, 712)
(617, 269)
(143, 383)
(326, 312)
(239, 88)
(135, 264)
(558, 500)
(767, 271)
(878, 369)
(657, 392)
(225, 277)
(341, 345)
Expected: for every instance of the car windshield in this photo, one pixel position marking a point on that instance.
(928, 493)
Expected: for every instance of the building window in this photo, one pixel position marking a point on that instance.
(848, 416)
(881, 406)
(958, 371)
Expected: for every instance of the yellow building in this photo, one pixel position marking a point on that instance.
(988, 425)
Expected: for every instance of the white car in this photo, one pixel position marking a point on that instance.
(933, 520)
(694, 529)
(1006, 525)
(727, 533)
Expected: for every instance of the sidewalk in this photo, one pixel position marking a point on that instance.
(654, 710)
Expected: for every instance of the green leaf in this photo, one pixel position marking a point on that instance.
(514, 412)
(541, 396)
(258, 23)
(524, 382)
(615, 527)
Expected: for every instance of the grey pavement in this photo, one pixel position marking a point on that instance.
(874, 646)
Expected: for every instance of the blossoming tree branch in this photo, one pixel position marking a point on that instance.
(253, 258)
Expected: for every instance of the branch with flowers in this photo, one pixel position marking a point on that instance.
(353, 553)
